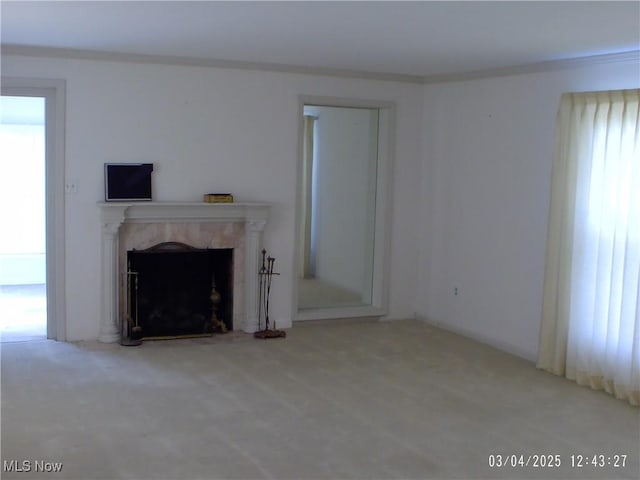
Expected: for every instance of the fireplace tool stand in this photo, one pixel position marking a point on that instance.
(131, 335)
(266, 274)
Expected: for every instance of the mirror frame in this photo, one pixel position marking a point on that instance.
(382, 235)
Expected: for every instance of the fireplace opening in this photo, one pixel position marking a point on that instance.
(175, 290)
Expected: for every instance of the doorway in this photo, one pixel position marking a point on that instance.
(23, 293)
(32, 280)
(344, 171)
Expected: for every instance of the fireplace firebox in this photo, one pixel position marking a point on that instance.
(175, 290)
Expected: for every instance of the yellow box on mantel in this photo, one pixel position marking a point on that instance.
(218, 198)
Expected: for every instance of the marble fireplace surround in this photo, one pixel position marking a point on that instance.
(141, 225)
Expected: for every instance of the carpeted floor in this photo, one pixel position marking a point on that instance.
(334, 400)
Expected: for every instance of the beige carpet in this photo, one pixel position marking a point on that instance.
(334, 400)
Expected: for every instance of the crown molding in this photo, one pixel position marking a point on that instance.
(79, 54)
(630, 56)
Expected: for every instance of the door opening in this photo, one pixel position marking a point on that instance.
(23, 252)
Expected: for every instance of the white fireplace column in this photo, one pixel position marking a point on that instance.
(252, 264)
(112, 218)
(252, 215)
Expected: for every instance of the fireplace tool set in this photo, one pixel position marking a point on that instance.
(266, 274)
(131, 335)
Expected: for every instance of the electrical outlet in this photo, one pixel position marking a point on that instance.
(455, 291)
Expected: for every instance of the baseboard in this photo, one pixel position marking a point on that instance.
(492, 342)
(334, 321)
(387, 318)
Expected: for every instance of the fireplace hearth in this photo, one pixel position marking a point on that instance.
(176, 290)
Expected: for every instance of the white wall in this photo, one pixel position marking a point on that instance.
(208, 129)
(485, 190)
(478, 153)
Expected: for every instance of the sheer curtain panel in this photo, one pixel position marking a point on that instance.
(591, 308)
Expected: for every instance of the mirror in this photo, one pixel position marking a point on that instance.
(342, 183)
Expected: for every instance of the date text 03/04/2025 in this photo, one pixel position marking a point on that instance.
(597, 460)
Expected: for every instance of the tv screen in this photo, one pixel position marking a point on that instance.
(127, 181)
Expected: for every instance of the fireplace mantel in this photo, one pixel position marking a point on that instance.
(114, 214)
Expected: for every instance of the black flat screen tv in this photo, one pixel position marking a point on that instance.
(127, 182)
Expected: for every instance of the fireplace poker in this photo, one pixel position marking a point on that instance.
(136, 331)
(261, 273)
(128, 317)
(133, 333)
(270, 274)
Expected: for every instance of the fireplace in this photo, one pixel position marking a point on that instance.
(142, 226)
(176, 290)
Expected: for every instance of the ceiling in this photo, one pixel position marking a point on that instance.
(403, 38)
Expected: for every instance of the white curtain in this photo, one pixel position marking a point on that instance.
(591, 310)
